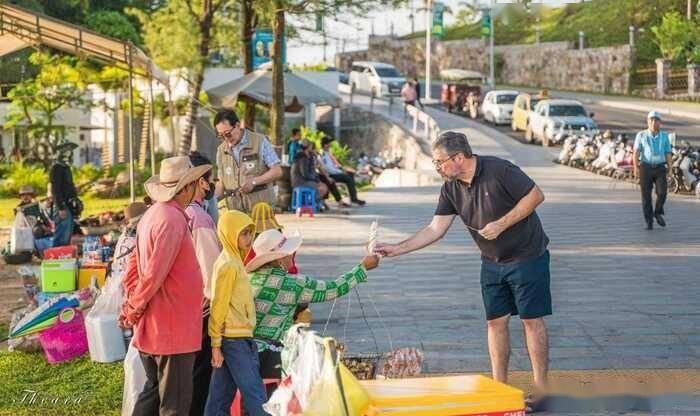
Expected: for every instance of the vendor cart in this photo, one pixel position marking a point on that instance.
(461, 90)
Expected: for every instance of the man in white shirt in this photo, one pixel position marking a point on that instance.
(337, 172)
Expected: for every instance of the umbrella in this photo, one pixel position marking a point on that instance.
(257, 86)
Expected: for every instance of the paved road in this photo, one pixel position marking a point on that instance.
(624, 297)
(626, 121)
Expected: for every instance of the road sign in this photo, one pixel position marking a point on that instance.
(486, 22)
(438, 25)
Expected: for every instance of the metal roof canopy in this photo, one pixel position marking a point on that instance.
(21, 28)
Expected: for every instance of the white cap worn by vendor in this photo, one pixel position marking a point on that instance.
(272, 245)
(175, 173)
(654, 114)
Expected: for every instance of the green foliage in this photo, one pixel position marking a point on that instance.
(99, 386)
(87, 173)
(19, 174)
(673, 35)
(340, 151)
(35, 102)
(114, 24)
(310, 67)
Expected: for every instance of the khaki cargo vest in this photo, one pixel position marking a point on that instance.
(233, 175)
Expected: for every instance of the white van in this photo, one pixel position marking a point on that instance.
(376, 78)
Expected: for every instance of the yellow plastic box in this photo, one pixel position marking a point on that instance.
(466, 395)
(86, 273)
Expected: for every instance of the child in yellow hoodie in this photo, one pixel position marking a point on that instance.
(231, 323)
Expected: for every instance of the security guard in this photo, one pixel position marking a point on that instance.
(247, 164)
(652, 160)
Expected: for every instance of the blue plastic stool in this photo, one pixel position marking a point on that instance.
(304, 200)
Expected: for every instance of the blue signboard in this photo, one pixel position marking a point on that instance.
(262, 47)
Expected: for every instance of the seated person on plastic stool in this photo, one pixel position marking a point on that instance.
(338, 172)
(277, 293)
(304, 171)
(37, 218)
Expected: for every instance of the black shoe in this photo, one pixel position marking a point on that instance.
(359, 202)
(660, 220)
(650, 225)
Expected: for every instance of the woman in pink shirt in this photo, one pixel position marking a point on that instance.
(164, 291)
(207, 248)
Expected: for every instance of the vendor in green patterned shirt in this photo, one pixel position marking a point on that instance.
(277, 293)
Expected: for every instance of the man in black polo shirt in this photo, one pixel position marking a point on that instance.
(496, 201)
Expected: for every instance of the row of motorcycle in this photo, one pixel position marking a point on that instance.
(610, 155)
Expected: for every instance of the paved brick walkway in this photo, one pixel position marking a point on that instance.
(624, 297)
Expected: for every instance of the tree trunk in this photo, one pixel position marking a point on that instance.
(247, 36)
(277, 113)
(205, 26)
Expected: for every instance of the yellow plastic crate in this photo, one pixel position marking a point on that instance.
(444, 396)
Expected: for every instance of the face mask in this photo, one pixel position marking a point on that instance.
(210, 193)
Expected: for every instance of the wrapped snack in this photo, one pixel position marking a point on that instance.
(402, 362)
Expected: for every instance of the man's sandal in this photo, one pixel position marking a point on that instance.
(535, 404)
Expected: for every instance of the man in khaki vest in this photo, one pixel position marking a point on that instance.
(247, 164)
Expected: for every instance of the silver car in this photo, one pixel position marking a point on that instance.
(553, 119)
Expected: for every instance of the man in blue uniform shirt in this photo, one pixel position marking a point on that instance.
(652, 160)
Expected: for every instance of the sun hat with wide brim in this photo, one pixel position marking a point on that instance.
(26, 190)
(133, 212)
(272, 245)
(175, 173)
(66, 145)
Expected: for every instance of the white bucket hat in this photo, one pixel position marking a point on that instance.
(272, 245)
(175, 173)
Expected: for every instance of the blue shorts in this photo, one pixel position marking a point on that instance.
(516, 289)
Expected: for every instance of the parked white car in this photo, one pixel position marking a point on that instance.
(376, 78)
(497, 107)
(551, 119)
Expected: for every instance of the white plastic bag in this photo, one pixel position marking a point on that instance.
(105, 338)
(21, 235)
(134, 380)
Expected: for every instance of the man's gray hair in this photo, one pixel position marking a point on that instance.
(453, 142)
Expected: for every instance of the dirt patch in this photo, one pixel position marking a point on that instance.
(12, 295)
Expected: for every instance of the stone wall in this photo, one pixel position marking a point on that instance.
(549, 64)
(601, 70)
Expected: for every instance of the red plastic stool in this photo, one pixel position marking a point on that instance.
(237, 405)
(305, 210)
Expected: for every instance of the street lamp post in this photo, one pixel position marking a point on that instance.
(428, 30)
(492, 76)
(580, 40)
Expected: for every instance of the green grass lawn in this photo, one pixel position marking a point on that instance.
(92, 206)
(77, 387)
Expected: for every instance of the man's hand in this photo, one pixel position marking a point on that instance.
(387, 250)
(370, 262)
(124, 323)
(217, 357)
(62, 214)
(247, 187)
(492, 230)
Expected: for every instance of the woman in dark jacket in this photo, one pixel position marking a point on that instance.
(304, 171)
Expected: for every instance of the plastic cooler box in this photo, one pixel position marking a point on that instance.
(62, 252)
(87, 272)
(443, 396)
(58, 275)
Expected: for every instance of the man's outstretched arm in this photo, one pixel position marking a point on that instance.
(425, 237)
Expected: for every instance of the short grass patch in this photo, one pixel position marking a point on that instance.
(31, 386)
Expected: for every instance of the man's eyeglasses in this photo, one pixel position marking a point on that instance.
(227, 134)
(438, 163)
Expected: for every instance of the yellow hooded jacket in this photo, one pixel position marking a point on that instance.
(232, 306)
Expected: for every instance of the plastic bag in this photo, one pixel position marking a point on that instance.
(105, 338)
(134, 379)
(326, 397)
(21, 235)
(29, 343)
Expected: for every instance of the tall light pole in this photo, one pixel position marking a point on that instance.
(428, 32)
(492, 76)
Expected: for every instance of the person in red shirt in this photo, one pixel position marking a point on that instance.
(164, 291)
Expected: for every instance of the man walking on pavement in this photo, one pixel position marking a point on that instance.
(247, 164)
(164, 291)
(496, 201)
(652, 160)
